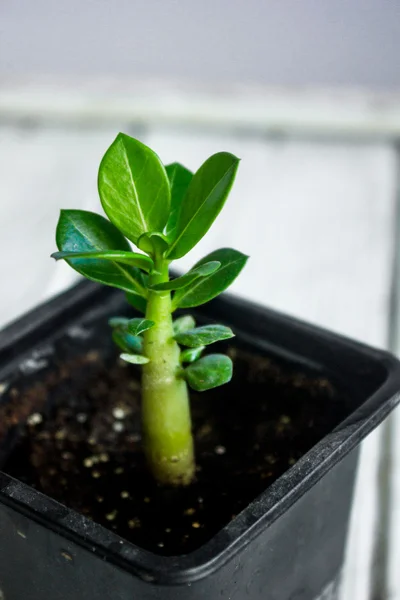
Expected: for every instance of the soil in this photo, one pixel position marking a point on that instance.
(79, 442)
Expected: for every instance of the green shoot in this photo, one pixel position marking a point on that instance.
(164, 211)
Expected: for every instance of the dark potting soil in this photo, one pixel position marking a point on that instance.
(80, 444)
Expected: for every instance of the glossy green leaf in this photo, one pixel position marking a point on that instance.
(179, 179)
(185, 280)
(131, 344)
(138, 302)
(119, 256)
(153, 243)
(203, 336)
(138, 326)
(203, 290)
(84, 231)
(183, 323)
(209, 372)
(203, 201)
(128, 342)
(134, 188)
(189, 355)
(135, 359)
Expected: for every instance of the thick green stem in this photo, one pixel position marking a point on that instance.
(166, 419)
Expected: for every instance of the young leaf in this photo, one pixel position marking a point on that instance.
(191, 354)
(183, 323)
(203, 201)
(135, 359)
(153, 243)
(119, 256)
(84, 231)
(134, 188)
(137, 326)
(179, 179)
(203, 290)
(209, 372)
(131, 344)
(185, 280)
(203, 336)
(138, 302)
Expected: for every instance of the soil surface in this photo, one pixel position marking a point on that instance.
(80, 443)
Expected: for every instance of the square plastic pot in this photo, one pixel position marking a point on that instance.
(286, 545)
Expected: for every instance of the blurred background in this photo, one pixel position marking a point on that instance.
(306, 93)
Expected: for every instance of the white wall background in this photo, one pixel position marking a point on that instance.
(278, 42)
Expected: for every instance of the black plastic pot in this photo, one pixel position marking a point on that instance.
(286, 545)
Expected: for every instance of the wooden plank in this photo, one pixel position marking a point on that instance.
(316, 220)
(43, 170)
(256, 108)
(393, 538)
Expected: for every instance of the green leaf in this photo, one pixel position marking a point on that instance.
(191, 354)
(179, 179)
(137, 326)
(84, 231)
(203, 290)
(185, 280)
(183, 323)
(134, 188)
(127, 342)
(203, 336)
(138, 302)
(209, 372)
(203, 201)
(135, 359)
(153, 243)
(119, 256)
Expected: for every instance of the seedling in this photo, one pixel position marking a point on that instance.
(164, 211)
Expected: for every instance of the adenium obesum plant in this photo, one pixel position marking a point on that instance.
(164, 211)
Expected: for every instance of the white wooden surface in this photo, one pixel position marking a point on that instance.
(317, 219)
(295, 111)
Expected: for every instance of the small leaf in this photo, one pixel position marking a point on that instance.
(179, 179)
(135, 359)
(203, 336)
(127, 342)
(153, 243)
(181, 282)
(134, 188)
(203, 290)
(191, 354)
(126, 258)
(204, 199)
(137, 326)
(84, 231)
(137, 302)
(183, 323)
(209, 372)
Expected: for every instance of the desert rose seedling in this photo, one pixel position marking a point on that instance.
(164, 211)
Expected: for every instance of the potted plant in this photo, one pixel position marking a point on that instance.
(114, 482)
